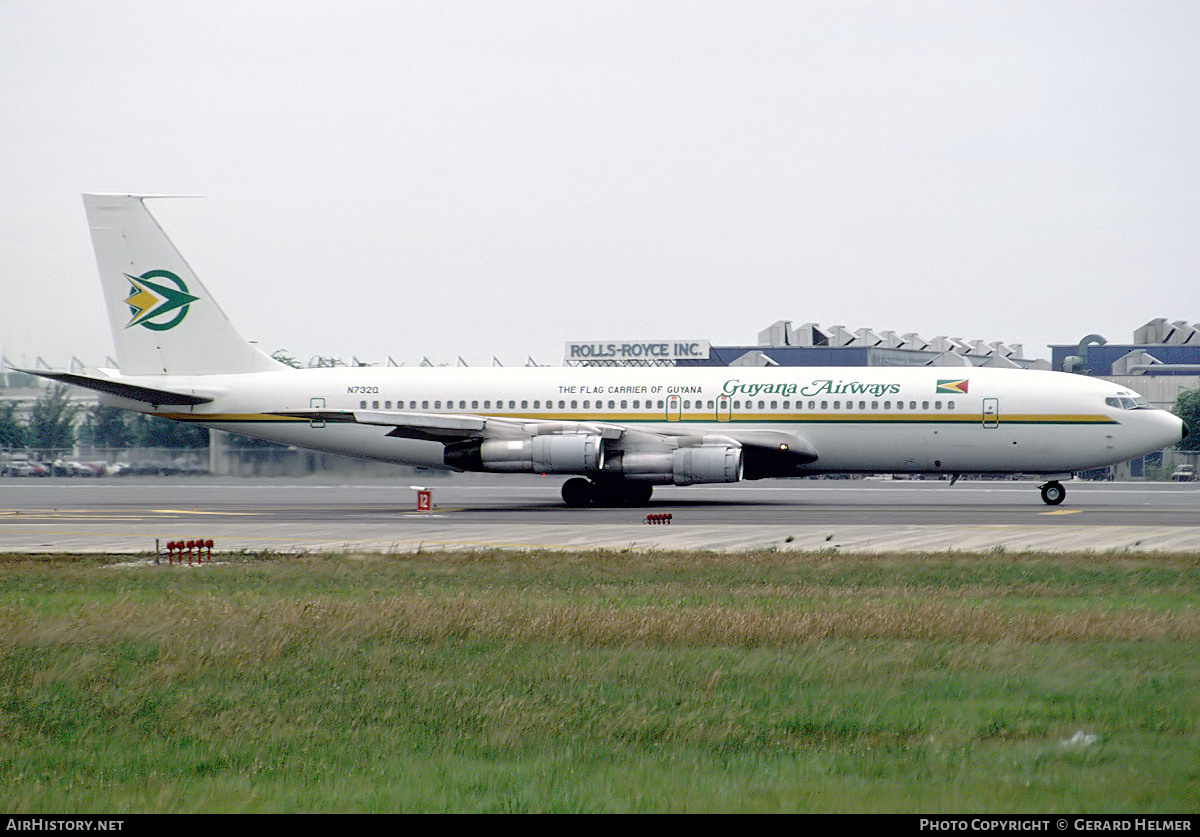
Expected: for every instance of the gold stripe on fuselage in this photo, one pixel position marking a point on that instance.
(700, 418)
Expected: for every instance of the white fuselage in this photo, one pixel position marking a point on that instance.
(875, 419)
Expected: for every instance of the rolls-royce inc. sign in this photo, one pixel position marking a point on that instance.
(638, 350)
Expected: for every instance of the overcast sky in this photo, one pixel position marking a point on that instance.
(495, 178)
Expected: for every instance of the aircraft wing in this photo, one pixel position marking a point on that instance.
(440, 427)
(767, 452)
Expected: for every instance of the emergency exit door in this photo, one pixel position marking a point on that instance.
(991, 412)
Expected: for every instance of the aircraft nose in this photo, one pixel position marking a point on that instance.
(1178, 428)
(1165, 428)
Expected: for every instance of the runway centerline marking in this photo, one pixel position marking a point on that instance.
(198, 511)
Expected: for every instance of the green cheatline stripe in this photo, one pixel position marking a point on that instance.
(803, 419)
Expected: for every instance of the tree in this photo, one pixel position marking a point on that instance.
(110, 427)
(12, 432)
(52, 420)
(154, 432)
(1187, 407)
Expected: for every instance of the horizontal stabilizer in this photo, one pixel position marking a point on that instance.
(134, 392)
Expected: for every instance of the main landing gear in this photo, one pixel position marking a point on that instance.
(1053, 493)
(579, 492)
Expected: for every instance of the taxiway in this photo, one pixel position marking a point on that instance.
(478, 511)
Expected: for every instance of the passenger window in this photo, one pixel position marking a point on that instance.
(612, 405)
(362, 405)
(474, 405)
(574, 404)
(374, 405)
(924, 405)
(424, 405)
(837, 405)
(524, 405)
(950, 405)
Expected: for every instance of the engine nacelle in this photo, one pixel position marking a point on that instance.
(684, 466)
(565, 454)
(708, 463)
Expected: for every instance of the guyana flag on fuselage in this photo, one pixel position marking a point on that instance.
(959, 387)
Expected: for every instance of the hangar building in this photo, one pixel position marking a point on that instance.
(807, 345)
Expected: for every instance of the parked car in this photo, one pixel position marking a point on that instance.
(1183, 473)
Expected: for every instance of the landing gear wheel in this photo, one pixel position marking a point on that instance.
(578, 492)
(1053, 493)
(639, 493)
(618, 494)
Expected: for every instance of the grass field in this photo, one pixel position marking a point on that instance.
(593, 682)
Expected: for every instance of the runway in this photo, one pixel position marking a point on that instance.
(129, 515)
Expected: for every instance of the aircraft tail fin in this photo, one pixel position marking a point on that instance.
(164, 321)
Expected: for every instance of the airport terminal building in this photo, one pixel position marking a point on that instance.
(807, 345)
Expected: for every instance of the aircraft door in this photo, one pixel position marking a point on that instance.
(724, 408)
(991, 412)
(674, 408)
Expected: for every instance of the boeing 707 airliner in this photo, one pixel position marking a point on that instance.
(616, 432)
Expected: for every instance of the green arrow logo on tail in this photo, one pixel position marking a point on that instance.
(148, 300)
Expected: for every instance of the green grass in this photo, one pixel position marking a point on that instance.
(593, 682)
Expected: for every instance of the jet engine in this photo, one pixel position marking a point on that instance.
(563, 454)
(682, 466)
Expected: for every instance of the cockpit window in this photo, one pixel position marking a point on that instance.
(1126, 402)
